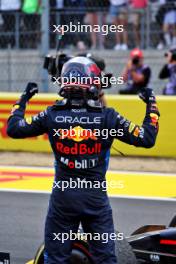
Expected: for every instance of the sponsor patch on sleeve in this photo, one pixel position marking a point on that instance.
(15, 107)
(136, 132)
(141, 134)
(22, 123)
(29, 120)
(154, 119)
(131, 127)
(127, 124)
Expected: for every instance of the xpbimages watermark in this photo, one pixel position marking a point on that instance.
(87, 28)
(79, 80)
(103, 237)
(80, 133)
(79, 183)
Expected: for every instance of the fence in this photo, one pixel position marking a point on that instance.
(25, 40)
(24, 31)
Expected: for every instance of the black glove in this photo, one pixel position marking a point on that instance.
(20, 106)
(148, 96)
(30, 90)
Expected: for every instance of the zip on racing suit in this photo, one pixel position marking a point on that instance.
(82, 157)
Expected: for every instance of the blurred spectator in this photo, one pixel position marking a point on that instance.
(73, 12)
(56, 7)
(138, 11)
(59, 3)
(95, 8)
(8, 7)
(118, 14)
(169, 72)
(31, 21)
(159, 19)
(167, 14)
(136, 73)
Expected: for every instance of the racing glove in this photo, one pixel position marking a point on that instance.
(148, 96)
(30, 90)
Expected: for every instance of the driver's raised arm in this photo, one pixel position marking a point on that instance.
(20, 127)
(144, 135)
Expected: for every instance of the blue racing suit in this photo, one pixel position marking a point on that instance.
(81, 153)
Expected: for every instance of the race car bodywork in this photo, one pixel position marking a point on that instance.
(147, 245)
(156, 244)
(81, 255)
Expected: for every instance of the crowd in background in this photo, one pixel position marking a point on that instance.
(130, 13)
(20, 17)
(137, 74)
(20, 27)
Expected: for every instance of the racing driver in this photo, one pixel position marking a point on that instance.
(81, 156)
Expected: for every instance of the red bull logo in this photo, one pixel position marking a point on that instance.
(154, 119)
(77, 134)
(78, 149)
